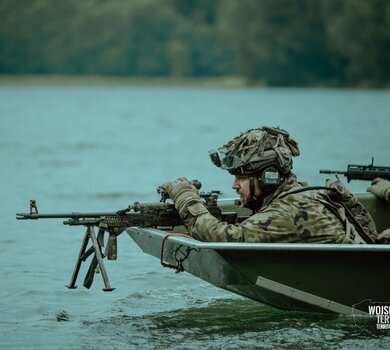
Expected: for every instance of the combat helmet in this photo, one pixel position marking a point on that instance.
(253, 151)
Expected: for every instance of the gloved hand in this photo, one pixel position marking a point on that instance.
(187, 200)
(176, 187)
(381, 188)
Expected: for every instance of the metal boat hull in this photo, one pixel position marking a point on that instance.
(340, 278)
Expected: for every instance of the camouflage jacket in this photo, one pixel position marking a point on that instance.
(299, 217)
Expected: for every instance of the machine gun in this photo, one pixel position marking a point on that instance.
(162, 215)
(362, 172)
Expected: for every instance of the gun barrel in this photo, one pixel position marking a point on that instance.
(34, 216)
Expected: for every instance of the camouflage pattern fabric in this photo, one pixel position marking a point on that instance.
(384, 237)
(381, 189)
(299, 217)
(343, 196)
(255, 149)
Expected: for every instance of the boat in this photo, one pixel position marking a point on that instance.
(332, 278)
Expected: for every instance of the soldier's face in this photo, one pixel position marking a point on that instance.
(241, 185)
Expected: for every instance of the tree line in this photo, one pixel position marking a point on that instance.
(270, 42)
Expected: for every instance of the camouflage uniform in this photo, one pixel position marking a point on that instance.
(300, 217)
(285, 215)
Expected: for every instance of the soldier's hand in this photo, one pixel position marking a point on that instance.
(381, 188)
(176, 187)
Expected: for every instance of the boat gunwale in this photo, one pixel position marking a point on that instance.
(193, 243)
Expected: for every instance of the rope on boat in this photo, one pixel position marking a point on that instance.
(178, 268)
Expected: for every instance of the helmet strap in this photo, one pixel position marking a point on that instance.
(252, 186)
(253, 203)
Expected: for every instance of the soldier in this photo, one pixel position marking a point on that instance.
(283, 209)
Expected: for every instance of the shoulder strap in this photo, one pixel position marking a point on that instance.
(349, 220)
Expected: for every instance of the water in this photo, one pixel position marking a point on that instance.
(100, 148)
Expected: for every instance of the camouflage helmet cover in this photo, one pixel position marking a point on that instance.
(254, 150)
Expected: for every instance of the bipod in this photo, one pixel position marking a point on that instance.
(97, 260)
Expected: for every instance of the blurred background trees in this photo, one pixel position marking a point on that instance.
(269, 42)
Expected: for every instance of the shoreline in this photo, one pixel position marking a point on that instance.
(209, 82)
(97, 80)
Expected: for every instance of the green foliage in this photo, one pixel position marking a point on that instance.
(359, 32)
(282, 42)
(274, 42)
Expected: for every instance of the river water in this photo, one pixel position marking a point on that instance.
(100, 148)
